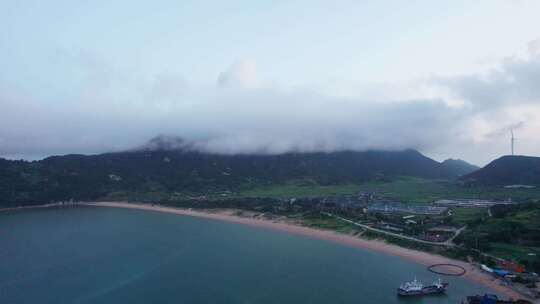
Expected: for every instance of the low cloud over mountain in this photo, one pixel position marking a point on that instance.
(244, 114)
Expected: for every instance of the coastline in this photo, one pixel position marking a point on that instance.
(473, 273)
(37, 206)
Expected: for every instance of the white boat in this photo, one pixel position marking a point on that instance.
(417, 288)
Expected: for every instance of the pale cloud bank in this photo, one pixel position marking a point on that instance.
(534, 47)
(241, 113)
(242, 75)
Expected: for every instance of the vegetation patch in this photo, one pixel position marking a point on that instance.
(400, 188)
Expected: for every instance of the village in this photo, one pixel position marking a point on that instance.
(426, 222)
(430, 224)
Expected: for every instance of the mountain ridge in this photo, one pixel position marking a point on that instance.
(459, 167)
(179, 167)
(507, 170)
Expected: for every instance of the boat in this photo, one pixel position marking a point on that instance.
(492, 299)
(417, 288)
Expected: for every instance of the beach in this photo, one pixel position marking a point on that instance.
(424, 258)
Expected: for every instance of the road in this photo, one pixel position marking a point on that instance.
(447, 243)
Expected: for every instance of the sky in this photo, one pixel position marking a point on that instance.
(448, 78)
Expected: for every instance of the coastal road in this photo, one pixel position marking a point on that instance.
(451, 239)
(447, 243)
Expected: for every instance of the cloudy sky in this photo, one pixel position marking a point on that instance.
(449, 78)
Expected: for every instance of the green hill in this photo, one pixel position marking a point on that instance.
(507, 170)
(458, 167)
(159, 168)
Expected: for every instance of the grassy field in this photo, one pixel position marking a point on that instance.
(514, 236)
(514, 252)
(405, 189)
(298, 189)
(330, 223)
(462, 216)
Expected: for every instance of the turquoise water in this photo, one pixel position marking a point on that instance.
(107, 255)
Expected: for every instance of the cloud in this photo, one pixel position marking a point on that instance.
(514, 82)
(506, 129)
(242, 74)
(534, 48)
(117, 112)
(279, 122)
(167, 88)
(496, 101)
(237, 121)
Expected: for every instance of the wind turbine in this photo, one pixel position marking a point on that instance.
(512, 140)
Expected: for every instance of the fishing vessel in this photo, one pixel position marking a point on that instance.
(417, 288)
(491, 299)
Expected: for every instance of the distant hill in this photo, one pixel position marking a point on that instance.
(458, 167)
(165, 166)
(507, 170)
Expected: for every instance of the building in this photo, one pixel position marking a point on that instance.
(471, 203)
(519, 187)
(399, 208)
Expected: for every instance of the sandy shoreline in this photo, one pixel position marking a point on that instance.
(473, 273)
(35, 207)
(424, 258)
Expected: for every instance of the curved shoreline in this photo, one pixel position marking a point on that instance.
(473, 274)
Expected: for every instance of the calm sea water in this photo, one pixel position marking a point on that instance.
(106, 255)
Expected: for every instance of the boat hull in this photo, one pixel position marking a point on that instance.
(428, 290)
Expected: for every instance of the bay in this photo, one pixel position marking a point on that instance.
(108, 255)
